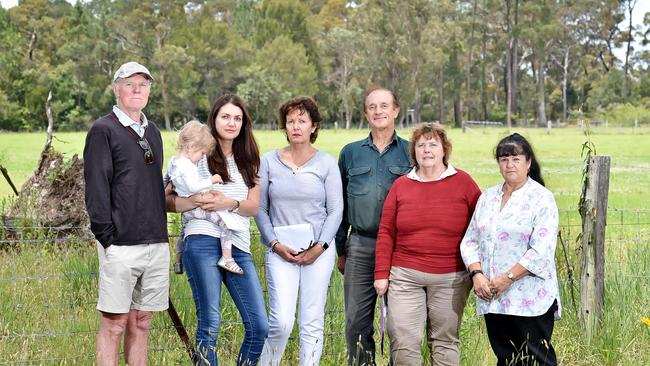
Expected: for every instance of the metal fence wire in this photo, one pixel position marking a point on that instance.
(48, 294)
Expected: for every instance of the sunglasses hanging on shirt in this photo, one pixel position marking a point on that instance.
(142, 142)
(148, 153)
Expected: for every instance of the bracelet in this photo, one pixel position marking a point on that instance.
(236, 208)
(474, 273)
(273, 244)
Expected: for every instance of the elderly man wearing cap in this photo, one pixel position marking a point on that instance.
(125, 200)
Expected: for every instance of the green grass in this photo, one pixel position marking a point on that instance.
(559, 153)
(48, 291)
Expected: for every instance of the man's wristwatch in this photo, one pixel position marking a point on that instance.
(323, 244)
(511, 276)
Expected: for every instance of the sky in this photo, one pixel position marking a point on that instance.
(642, 7)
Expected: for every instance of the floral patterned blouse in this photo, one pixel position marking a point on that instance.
(524, 231)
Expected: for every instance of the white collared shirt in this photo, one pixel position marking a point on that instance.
(126, 121)
(447, 173)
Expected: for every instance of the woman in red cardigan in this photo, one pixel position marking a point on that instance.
(418, 262)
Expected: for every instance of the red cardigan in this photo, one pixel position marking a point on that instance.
(422, 224)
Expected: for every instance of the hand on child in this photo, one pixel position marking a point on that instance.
(211, 200)
(216, 179)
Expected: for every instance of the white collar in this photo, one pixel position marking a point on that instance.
(127, 121)
(447, 173)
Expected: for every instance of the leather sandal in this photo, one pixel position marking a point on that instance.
(230, 265)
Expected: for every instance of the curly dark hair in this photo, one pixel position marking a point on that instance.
(304, 105)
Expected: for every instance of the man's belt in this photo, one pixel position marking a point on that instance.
(367, 234)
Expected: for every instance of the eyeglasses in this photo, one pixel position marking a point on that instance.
(148, 153)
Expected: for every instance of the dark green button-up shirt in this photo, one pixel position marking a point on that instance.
(367, 176)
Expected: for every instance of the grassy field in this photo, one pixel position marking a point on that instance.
(47, 292)
(559, 152)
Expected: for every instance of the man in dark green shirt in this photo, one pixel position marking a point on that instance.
(368, 169)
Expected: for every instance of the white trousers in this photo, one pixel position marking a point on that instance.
(286, 281)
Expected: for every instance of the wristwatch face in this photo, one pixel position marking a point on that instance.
(511, 276)
(325, 245)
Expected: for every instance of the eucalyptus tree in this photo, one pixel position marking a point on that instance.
(217, 37)
(396, 47)
(11, 111)
(628, 35)
(281, 70)
(341, 45)
(40, 69)
(542, 30)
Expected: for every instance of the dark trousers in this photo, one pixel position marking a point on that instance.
(522, 340)
(360, 299)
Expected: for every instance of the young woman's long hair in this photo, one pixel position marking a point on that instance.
(516, 144)
(244, 147)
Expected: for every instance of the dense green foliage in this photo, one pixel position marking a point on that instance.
(447, 60)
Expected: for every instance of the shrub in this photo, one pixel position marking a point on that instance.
(624, 115)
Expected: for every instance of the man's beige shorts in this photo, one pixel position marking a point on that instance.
(133, 277)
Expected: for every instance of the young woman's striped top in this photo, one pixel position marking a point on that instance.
(236, 189)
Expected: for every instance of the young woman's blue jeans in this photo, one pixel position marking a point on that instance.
(200, 258)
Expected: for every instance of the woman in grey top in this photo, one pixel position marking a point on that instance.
(300, 187)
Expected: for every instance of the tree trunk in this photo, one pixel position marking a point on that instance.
(165, 99)
(565, 82)
(468, 96)
(508, 67)
(441, 94)
(348, 118)
(458, 111)
(50, 121)
(514, 63)
(508, 86)
(418, 105)
(495, 95)
(484, 88)
(344, 90)
(626, 87)
(541, 109)
(457, 82)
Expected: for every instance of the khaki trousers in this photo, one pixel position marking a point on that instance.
(417, 298)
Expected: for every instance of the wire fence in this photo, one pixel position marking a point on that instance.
(48, 292)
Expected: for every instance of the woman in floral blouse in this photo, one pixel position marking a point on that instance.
(509, 250)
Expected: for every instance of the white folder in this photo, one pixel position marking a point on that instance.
(297, 237)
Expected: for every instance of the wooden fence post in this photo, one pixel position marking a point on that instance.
(593, 210)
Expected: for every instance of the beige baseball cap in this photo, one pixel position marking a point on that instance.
(131, 68)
